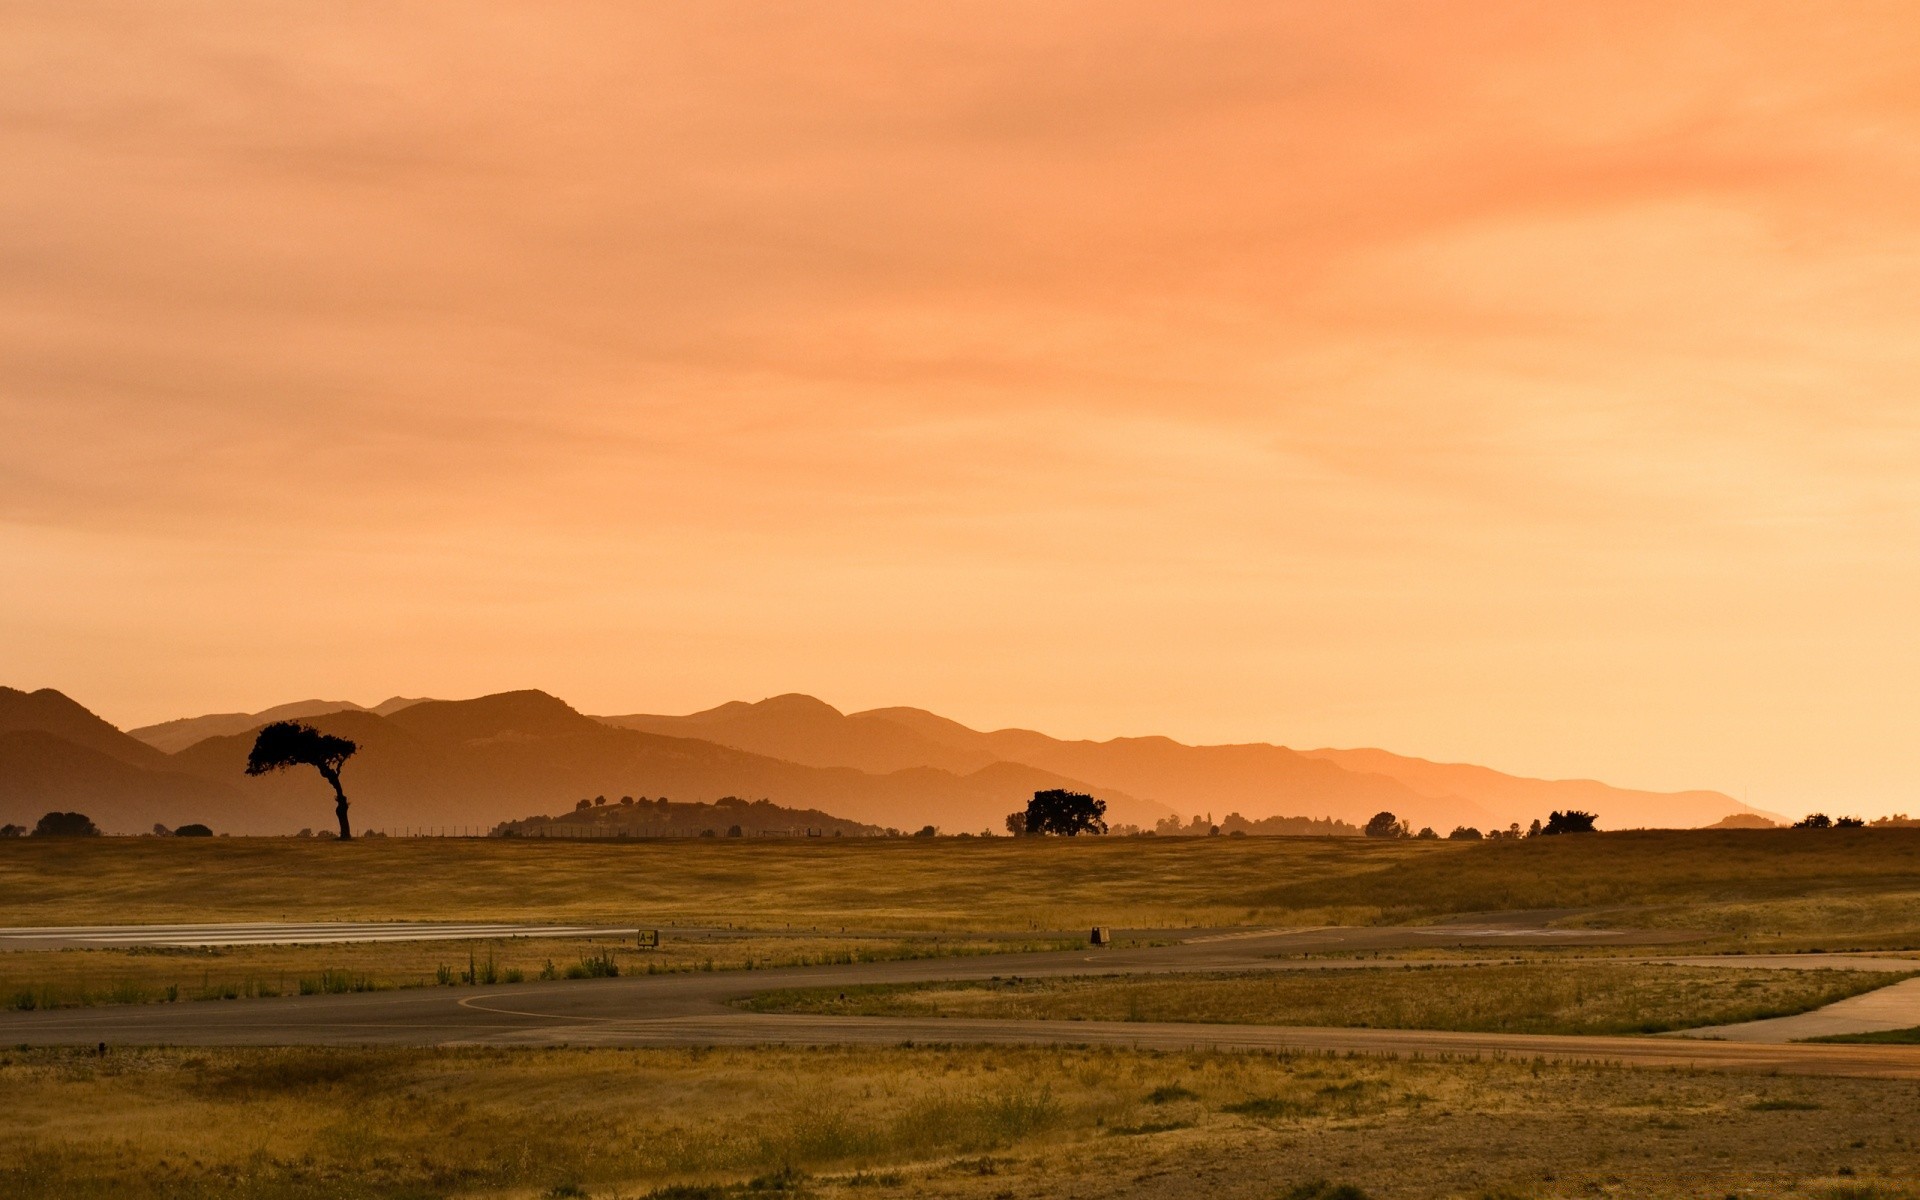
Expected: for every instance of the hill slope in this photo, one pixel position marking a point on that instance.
(497, 758)
(1257, 780)
(41, 772)
(48, 711)
(174, 736)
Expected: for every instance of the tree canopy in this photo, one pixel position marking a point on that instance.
(66, 824)
(286, 744)
(1385, 825)
(1065, 813)
(1571, 821)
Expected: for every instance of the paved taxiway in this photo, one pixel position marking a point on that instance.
(693, 1008)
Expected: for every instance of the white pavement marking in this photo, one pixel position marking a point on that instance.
(268, 934)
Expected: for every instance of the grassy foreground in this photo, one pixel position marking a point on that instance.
(1772, 887)
(976, 1123)
(1533, 997)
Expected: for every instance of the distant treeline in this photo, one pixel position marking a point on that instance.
(729, 816)
(1235, 825)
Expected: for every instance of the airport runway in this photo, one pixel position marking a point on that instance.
(692, 1009)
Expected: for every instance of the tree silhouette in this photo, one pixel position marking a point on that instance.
(1814, 821)
(1068, 814)
(286, 744)
(1571, 821)
(1386, 825)
(65, 824)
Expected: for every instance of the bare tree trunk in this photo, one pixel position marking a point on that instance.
(339, 805)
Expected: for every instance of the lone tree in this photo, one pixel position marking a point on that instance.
(1571, 821)
(1386, 825)
(1068, 814)
(1814, 821)
(286, 744)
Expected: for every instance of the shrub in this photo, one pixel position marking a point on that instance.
(1571, 821)
(1320, 1189)
(66, 824)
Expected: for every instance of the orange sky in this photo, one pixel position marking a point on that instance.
(1532, 384)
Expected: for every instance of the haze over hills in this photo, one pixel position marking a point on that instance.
(176, 735)
(1257, 780)
(474, 763)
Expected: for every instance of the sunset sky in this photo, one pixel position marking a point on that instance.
(1528, 384)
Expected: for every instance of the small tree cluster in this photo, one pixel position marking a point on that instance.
(1823, 821)
(1064, 814)
(1386, 825)
(1571, 821)
(66, 824)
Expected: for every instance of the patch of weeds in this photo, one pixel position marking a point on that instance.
(1320, 1189)
(876, 1179)
(594, 966)
(566, 1191)
(1149, 1127)
(1270, 1107)
(1168, 1093)
(1783, 1106)
(784, 1181)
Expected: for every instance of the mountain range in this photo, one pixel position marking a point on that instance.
(475, 763)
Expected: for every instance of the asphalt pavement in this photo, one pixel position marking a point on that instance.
(693, 1009)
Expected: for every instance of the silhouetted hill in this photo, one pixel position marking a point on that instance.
(48, 711)
(174, 736)
(498, 758)
(1620, 808)
(805, 730)
(478, 762)
(1256, 780)
(41, 772)
(669, 818)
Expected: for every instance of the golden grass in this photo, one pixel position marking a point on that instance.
(1836, 887)
(137, 975)
(974, 1123)
(1524, 997)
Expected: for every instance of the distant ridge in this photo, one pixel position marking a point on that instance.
(1256, 780)
(176, 735)
(500, 757)
(48, 711)
(471, 763)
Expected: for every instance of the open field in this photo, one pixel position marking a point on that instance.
(412, 1118)
(145, 974)
(1533, 997)
(1786, 888)
(988, 1123)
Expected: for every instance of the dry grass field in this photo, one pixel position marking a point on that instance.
(1785, 888)
(987, 1123)
(1523, 997)
(930, 1121)
(68, 978)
